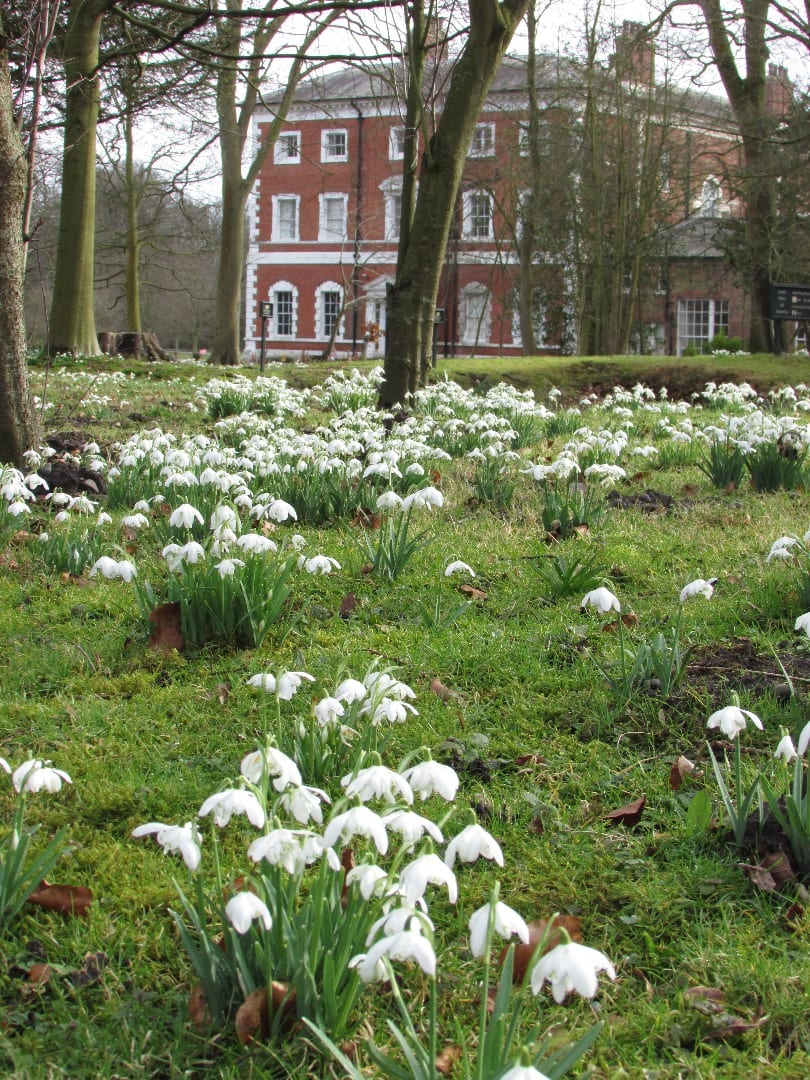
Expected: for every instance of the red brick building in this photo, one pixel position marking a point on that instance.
(324, 220)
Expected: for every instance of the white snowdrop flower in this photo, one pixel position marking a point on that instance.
(135, 521)
(411, 826)
(37, 775)
(427, 870)
(458, 567)
(698, 587)
(141, 507)
(292, 849)
(389, 500)
(732, 720)
(280, 511)
(329, 710)
(256, 544)
(785, 749)
(571, 967)
(602, 599)
(321, 564)
(371, 879)
(404, 916)
(359, 821)
(781, 548)
(432, 778)
(297, 542)
(225, 804)
(126, 570)
(105, 566)
(803, 623)
(185, 516)
(103, 518)
(424, 499)
(82, 505)
(351, 690)
(223, 517)
(377, 782)
(472, 843)
(16, 508)
(190, 553)
(184, 839)
(804, 739)
(304, 804)
(407, 945)
(380, 682)
(392, 710)
(228, 567)
(274, 763)
(284, 687)
(507, 923)
(242, 909)
(61, 516)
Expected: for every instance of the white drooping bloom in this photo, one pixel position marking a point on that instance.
(412, 826)
(377, 782)
(698, 587)
(256, 544)
(328, 711)
(359, 821)
(458, 567)
(523, 1072)
(228, 567)
(785, 749)
(284, 686)
(602, 599)
(732, 720)
(427, 870)
(113, 568)
(351, 690)
(389, 500)
(406, 945)
(185, 516)
(432, 778)
(425, 499)
(507, 923)
(242, 909)
(370, 879)
(225, 804)
(291, 849)
(782, 548)
(280, 511)
(184, 839)
(37, 775)
(803, 623)
(275, 763)
(473, 843)
(321, 564)
(571, 967)
(304, 804)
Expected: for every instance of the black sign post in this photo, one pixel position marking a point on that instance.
(789, 303)
(265, 313)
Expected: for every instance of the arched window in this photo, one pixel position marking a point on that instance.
(328, 310)
(285, 309)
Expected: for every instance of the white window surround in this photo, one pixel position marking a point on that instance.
(482, 143)
(396, 144)
(476, 314)
(325, 294)
(287, 149)
(392, 202)
(335, 144)
(286, 216)
(285, 309)
(699, 320)
(477, 211)
(332, 217)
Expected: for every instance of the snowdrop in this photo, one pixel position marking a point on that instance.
(225, 804)
(242, 909)
(321, 564)
(803, 623)
(37, 775)
(427, 870)
(370, 879)
(785, 750)
(275, 763)
(432, 778)
(228, 567)
(351, 690)
(506, 923)
(359, 821)
(304, 803)
(570, 967)
(473, 843)
(184, 839)
(377, 782)
(291, 849)
(284, 687)
(411, 827)
(698, 587)
(329, 710)
(732, 720)
(406, 945)
(602, 599)
(185, 516)
(458, 567)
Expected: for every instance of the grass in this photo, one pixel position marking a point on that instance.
(543, 752)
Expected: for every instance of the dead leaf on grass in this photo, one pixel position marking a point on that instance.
(38, 975)
(366, 519)
(447, 1060)
(629, 814)
(770, 873)
(733, 1026)
(759, 876)
(347, 605)
(253, 1017)
(681, 768)
(198, 1011)
(706, 999)
(442, 692)
(167, 635)
(629, 620)
(472, 592)
(90, 971)
(66, 899)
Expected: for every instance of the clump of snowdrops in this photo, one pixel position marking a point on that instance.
(333, 890)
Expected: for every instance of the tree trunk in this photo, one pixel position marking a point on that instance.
(72, 321)
(226, 347)
(132, 281)
(19, 430)
(412, 298)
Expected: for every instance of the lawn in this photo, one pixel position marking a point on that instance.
(547, 576)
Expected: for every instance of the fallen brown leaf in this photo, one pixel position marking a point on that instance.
(198, 1011)
(447, 1059)
(706, 999)
(629, 814)
(223, 693)
(759, 876)
(442, 692)
(366, 519)
(530, 759)
(347, 605)
(167, 635)
(778, 865)
(733, 1026)
(253, 1017)
(680, 768)
(629, 620)
(39, 974)
(66, 899)
(90, 971)
(472, 592)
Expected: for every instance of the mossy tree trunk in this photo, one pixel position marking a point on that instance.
(19, 429)
(412, 297)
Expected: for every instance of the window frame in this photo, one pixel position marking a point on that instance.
(287, 159)
(326, 235)
(275, 230)
(326, 289)
(396, 152)
(714, 316)
(485, 151)
(325, 155)
(287, 289)
(481, 334)
(470, 232)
